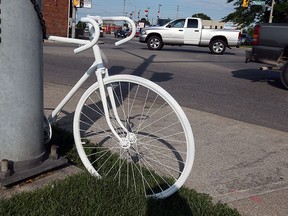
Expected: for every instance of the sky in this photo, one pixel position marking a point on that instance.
(215, 9)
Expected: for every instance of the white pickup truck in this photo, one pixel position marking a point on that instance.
(189, 31)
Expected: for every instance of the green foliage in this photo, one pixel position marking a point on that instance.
(280, 14)
(201, 16)
(246, 17)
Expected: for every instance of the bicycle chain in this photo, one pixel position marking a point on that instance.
(40, 16)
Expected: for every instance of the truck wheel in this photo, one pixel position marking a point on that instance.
(284, 75)
(155, 43)
(217, 47)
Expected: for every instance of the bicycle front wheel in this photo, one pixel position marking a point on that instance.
(154, 151)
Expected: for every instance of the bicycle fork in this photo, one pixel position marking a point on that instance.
(124, 142)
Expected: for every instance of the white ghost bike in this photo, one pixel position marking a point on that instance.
(128, 127)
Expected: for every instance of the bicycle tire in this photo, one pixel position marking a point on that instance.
(159, 154)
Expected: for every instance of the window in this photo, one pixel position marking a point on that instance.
(192, 23)
(178, 23)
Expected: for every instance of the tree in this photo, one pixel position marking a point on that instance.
(280, 14)
(201, 16)
(144, 20)
(246, 17)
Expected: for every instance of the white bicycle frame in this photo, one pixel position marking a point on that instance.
(97, 67)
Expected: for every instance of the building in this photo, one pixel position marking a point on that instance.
(212, 24)
(57, 15)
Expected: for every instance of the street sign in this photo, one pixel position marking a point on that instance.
(258, 3)
(82, 3)
(87, 4)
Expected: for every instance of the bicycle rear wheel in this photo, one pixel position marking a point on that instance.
(156, 151)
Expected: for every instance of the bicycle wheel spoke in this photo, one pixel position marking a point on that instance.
(153, 134)
(120, 100)
(92, 129)
(148, 166)
(154, 151)
(165, 156)
(159, 119)
(133, 101)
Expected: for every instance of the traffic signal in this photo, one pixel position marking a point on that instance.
(245, 3)
(78, 3)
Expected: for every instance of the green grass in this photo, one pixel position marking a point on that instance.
(82, 194)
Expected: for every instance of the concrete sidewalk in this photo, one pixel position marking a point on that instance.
(243, 165)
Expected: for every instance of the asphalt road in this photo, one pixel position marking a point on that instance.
(223, 85)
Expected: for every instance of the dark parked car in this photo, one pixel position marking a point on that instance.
(120, 33)
(270, 46)
(101, 32)
(87, 32)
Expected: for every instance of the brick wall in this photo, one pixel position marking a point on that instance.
(56, 15)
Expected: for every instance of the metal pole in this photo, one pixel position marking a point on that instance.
(271, 11)
(134, 13)
(158, 15)
(148, 8)
(21, 85)
(73, 21)
(124, 8)
(139, 15)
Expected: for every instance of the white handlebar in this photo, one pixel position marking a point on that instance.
(122, 18)
(87, 44)
(96, 36)
(94, 20)
(117, 18)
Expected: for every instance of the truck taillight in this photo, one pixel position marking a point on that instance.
(256, 35)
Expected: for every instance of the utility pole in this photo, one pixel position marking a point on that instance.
(158, 15)
(22, 152)
(147, 13)
(271, 11)
(74, 10)
(177, 11)
(124, 8)
(21, 84)
(139, 15)
(133, 12)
